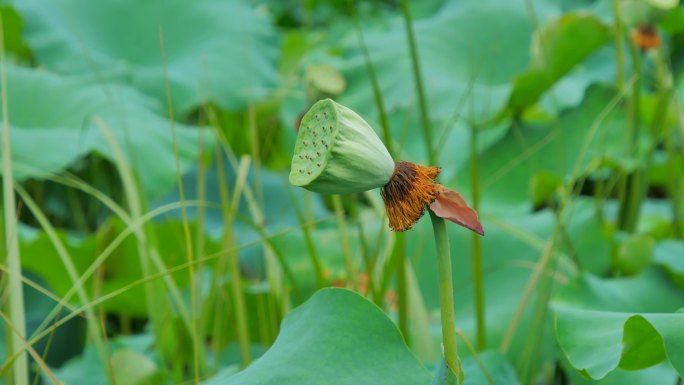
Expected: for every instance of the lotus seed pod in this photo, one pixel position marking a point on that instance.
(337, 152)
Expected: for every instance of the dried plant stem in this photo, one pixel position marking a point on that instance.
(540, 268)
(15, 289)
(446, 296)
(476, 357)
(194, 325)
(233, 264)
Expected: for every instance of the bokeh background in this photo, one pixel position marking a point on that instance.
(150, 235)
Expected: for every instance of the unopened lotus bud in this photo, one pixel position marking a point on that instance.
(323, 81)
(337, 152)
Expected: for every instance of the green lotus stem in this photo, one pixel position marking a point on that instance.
(446, 296)
(629, 207)
(619, 45)
(420, 88)
(375, 85)
(666, 95)
(346, 247)
(402, 293)
(477, 248)
(255, 151)
(674, 189)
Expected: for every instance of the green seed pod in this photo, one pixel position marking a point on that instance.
(337, 152)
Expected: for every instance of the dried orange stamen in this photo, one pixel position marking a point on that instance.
(410, 190)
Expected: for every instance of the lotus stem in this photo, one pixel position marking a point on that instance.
(446, 297)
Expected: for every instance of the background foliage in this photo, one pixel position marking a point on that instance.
(161, 243)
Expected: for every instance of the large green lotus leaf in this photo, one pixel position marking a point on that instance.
(220, 51)
(596, 342)
(337, 337)
(632, 294)
(557, 48)
(53, 124)
(469, 52)
(658, 374)
(603, 324)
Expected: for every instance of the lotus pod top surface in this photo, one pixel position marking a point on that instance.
(337, 152)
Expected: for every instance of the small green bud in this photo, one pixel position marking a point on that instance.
(323, 81)
(337, 152)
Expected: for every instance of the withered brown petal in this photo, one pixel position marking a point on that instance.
(450, 205)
